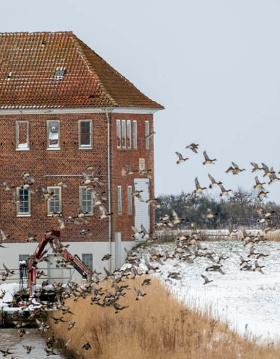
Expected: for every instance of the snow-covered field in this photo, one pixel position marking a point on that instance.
(248, 301)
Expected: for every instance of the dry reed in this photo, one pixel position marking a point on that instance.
(157, 327)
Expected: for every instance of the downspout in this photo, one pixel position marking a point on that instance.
(110, 232)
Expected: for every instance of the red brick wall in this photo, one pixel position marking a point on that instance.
(130, 157)
(40, 162)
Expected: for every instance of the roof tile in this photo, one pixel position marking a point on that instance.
(28, 62)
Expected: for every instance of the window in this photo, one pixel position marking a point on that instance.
(86, 200)
(87, 259)
(85, 134)
(23, 202)
(129, 199)
(22, 135)
(142, 164)
(54, 202)
(128, 134)
(53, 134)
(119, 134)
(147, 134)
(59, 74)
(123, 133)
(134, 133)
(23, 257)
(119, 199)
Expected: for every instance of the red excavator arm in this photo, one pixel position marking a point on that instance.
(53, 240)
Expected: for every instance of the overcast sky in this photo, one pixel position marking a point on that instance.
(214, 65)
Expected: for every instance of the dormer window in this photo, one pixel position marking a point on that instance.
(10, 76)
(59, 74)
(53, 134)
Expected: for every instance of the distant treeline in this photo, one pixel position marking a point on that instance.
(242, 208)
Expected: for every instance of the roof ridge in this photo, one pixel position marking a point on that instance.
(91, 69)
(35, 33)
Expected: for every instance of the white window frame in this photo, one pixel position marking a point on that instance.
(49, 146)
(22, 147)
(129, 200)
(147, 135)
(128, 134)
(19, 213)
(119, 200)
(142, 164)
(123, 141)
(81, 199)
(85, 147)
(119, 133)
(134, 134)
(50, 189)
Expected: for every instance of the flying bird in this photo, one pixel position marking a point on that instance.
(180, 159)
(193, 147)
(206, 280)
(207, 160)
(198, 188)
(213, 181)
(259, 184)
(224, 192)
(234, 169)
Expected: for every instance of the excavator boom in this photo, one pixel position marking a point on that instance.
(53, 239)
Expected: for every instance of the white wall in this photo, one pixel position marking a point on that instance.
(10, 255)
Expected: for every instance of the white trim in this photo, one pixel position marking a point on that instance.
(134, 110)
(85, 147)
(23, 214)
(50, 214)
(54, 111)
(128, 135)
(119, 200)
(52, 147)
(123, 137)
(119, 133)
(135, 134)
(129, 200)
(80, 200)
(18, 145)
(147, 135)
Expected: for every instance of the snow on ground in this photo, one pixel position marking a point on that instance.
(248, 301)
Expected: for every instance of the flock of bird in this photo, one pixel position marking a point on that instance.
(234, 169)
(109, 290)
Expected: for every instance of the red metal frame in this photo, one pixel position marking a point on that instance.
(54, 241)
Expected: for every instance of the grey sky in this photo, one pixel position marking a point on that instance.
(214, 65)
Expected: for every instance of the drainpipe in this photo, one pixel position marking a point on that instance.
(110, 232)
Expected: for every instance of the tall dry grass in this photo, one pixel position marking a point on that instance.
(156, 327)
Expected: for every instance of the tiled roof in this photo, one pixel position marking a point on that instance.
(57, 70)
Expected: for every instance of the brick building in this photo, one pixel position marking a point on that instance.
(66, 116)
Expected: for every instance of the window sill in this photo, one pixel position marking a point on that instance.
(23, 149)
(23, 215)
(53, 149)
(85, 148)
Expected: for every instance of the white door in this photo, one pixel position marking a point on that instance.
(142, 208)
